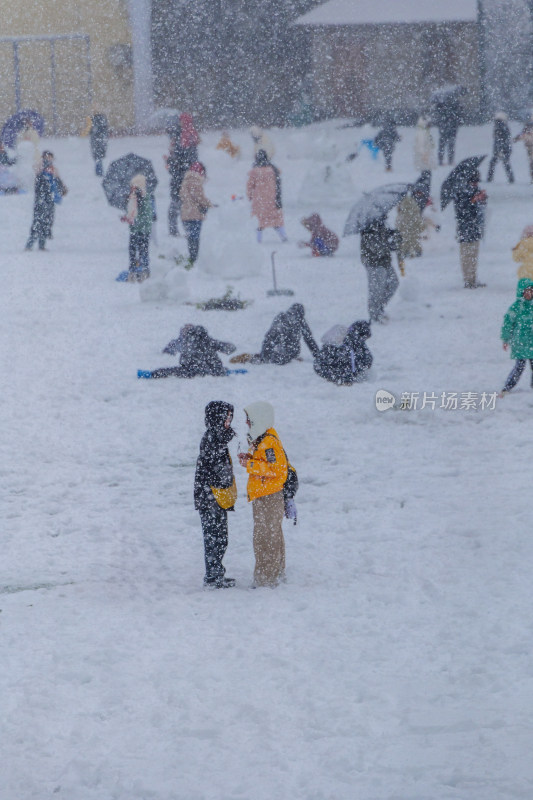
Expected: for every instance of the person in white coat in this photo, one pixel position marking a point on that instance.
(424, 155)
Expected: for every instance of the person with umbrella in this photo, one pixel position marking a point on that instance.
(462, 186)
(367, 217)
(139, 216)
(377, 244)
(49, 190)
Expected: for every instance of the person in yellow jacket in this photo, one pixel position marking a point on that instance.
(523, 253)
(266, 464)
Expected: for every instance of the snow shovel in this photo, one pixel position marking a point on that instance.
(275, 292)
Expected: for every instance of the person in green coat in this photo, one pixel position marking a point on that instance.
(517, 331)
(140, 217)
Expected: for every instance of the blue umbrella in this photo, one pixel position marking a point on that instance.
(17, 123)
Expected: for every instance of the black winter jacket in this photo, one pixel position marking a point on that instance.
(469, 214)
(377, 244)
(282, 340)
(501, 139)
(346, 363)
(213, 466)
(198, 352)
(178, 162)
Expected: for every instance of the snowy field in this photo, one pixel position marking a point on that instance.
(395, 664)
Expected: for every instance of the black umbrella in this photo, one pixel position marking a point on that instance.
(458, 178)
(119, 174)
(374, 205)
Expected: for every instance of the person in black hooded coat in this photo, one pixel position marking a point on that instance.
(348, 362)
(214, 470)
(198, 354)
(282, 340)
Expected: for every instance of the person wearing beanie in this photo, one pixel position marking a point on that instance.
(215, 492)
(49, 191)
(194, 207)
(267, 468)
(501, 147)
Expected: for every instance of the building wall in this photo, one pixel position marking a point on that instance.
(110, 89)
(363, 70)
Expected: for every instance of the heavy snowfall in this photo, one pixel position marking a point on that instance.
(395, 663)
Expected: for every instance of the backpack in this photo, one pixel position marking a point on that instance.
(290, 487)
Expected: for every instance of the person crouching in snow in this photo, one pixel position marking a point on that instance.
(517, 331)
(49, 190)
(263, 189)
(194, 207)
(215, 492)
(139, 216)
(523, 253)
(345, 360)
(282, 340)
(323, 241)
(266, 464)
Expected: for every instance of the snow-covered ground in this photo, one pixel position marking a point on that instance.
(395, 664)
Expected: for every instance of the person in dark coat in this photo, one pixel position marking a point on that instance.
(49, 189)
(502, 147)
(469, 204)
(282, 340)
(214, 490)
(198, 354)
(377, 244)
(98, 137)
(184, 142)
(447, 117)
(348, 362)
(386, 140)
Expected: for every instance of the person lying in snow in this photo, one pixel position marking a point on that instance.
(198, 354)
(282, 340)
(323, 241)
(344, 358)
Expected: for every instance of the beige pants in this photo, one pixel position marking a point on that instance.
(469, 252)
(269, 544)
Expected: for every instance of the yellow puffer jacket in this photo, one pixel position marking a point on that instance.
(267, 468)
(523, 254)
